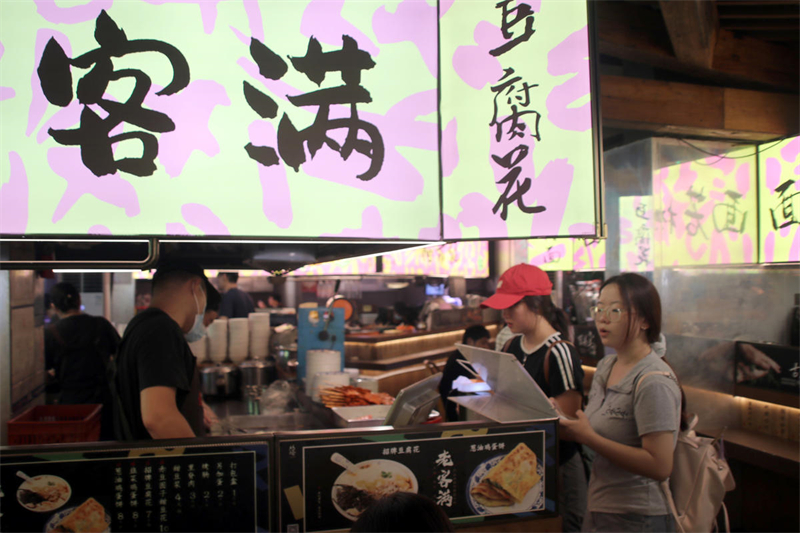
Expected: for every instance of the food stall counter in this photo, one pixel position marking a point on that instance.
(315, 480)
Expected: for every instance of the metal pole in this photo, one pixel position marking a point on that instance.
(107, 295)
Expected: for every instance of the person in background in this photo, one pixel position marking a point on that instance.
(235, 303)
(78, 348)
(403, 512)
(523, 294)
(212, 306)
(156, 380)
(503, 336)
(473, 336)
(274, 301)
(632, 429)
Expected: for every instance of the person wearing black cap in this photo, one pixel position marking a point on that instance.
(156, 380)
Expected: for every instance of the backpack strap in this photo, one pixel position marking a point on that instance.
(654, 372)
(547, 360)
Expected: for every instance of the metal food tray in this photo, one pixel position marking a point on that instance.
(354, 417)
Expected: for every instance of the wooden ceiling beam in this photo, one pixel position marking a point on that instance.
(692, 27)
(637, 33)
(671, 108)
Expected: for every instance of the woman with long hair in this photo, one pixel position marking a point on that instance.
(541, 329)
(633, 415)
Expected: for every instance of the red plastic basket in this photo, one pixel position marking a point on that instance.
(49, 424)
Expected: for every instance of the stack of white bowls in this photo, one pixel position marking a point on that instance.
(259, 335)
(320, 362)
(238, 339)
(218, 340)
(200, 348)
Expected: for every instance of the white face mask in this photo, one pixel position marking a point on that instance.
(198, 330)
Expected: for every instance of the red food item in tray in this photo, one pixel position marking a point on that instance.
(347, 395)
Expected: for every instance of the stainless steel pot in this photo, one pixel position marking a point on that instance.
(257, 373)
(219, 380)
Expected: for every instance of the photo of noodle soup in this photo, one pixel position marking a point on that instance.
(44, 493)
(353, 492)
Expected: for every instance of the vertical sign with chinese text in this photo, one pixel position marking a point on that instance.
(636, 234)
(779, 201)
(517, 120)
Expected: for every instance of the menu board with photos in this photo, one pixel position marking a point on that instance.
(190, 488)
(317, 494)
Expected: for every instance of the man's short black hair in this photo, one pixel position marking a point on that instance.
(233, 277)
(277, 297)
(475, 333)
(213, 298)
(173, 271)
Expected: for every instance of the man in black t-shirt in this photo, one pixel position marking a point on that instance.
(235, 303)
(156, 379)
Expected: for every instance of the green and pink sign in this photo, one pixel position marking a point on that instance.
(409, 120)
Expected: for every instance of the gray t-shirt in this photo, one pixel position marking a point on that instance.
(622, 414)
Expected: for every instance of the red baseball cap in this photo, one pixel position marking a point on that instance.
(516, 283)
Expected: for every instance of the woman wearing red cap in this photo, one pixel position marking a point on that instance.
(523, 294)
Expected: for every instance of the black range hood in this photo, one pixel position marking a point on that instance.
(109, 254)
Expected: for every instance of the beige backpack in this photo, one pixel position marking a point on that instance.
(700, 478)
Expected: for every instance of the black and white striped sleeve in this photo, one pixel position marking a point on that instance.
(566, 373)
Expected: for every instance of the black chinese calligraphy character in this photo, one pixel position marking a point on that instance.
(726, 216)
(349, 61)
(785, 206)
(694, 226)
(641, 212)
(93, 134)
(666, 216)
(511, 17)
(510, 162)
(522, 98)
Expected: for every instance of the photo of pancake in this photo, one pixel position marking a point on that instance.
(508, 483)
(88, 517)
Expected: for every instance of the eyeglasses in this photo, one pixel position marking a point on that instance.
(612, 315)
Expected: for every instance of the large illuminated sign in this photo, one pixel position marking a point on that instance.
(256, 118)
(705, 210)
(296, 119)
(468, 259)
(779, 201)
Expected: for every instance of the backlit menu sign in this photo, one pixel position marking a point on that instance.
(187, 488)
(297, 119)
(317, 493)
(705, 211)
(517, 119)
(779, 201)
